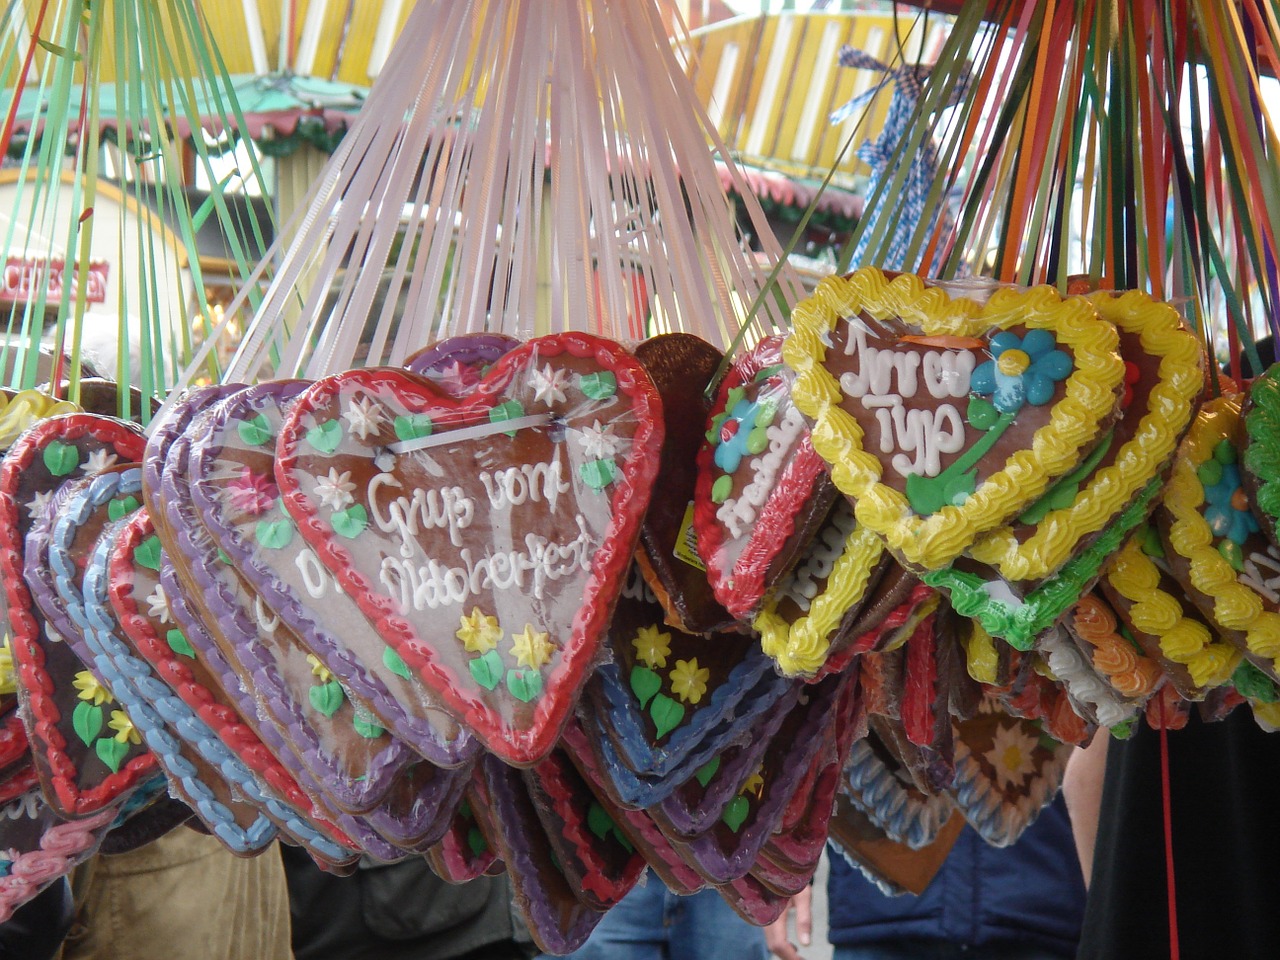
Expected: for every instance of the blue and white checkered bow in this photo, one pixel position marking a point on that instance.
(884, 158)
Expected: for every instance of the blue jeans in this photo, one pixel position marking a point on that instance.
(941, 950)
(652, 923)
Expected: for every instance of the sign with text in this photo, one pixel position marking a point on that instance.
(23, 278)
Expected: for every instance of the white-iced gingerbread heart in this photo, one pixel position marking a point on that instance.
(943, 417)
(486, 536)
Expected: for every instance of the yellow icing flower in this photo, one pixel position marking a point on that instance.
(652, 646)
(318, 669)
(754, 785)
(124, 728)
(479, 633)
(531, 648)
(8, 676)
(688, 682)
(89, 688)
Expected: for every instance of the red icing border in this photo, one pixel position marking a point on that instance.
(37, 686)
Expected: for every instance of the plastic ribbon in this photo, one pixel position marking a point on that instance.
(883, 157)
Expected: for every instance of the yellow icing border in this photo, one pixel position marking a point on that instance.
(982, 660)
(26, 407)
(800, 648)
(1074, 421)
(1107, 492)
(1159, 614)
(1235, 606)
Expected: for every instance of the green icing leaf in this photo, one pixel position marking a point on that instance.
(707, 771)
(524, 685)
(1122, 730)
(350, 523)
(274, 534)
(1152, 545)
(928, 495)
(982, 414)
(395, 663)
(721, 489)
(598, 386)
(326, 436)
(1209, 473)
(61, 458)
(598, 821)
(476, 842)
(326, 697)
(509, 410)
(121, 507)
(255, 432)
(86, 719)
(644, 684)
(147, 553)
(179, 644)
(413, 426)
(111, 752)
(222, 555)
(487, 670)
(666, 714)
(366, 727)
(598, 474)
(735, 814)
(758, 438)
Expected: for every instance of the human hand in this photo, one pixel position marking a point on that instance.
(775, 934)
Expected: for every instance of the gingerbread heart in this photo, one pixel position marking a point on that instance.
(664, 691)
(231, 808)
(457, 364)
(592, 850)
(1006, 772)
(231, 476)
(753, 900)
(877, 784)
(1055, 549)
(559, 920)
(681, 366)
(762, 491)
(89, 756)
(1261, 459)
(465, 852)
(485, 537)
(944, 418)
(1214, 544)
(421, 806)
(817, 605)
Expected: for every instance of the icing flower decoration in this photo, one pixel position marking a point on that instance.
(652, 646)
(334, 490)
(8, 678)
(253, 493)
(364, 417)
(1227, 511)
(39, 504)
(479, 633)
(1023, 370)
(456, 378)
(548, 385)
(742, 430)
(158, 604)
(90, 689)
(754, 785)
(318, 669)
(598, 442)
(1011, 754)
(688, 681)
(98, 461)
(125, 731)
(531, 648)
(7, 857)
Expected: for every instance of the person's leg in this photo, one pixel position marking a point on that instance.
(634, 929)
(704, 927)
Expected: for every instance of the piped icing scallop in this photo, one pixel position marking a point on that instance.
(1214, 543)
(943, 418)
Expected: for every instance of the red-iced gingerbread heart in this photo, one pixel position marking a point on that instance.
(485, 536)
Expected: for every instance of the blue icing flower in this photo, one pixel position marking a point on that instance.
(1023, 370)
(741, 432)
(1228, 513)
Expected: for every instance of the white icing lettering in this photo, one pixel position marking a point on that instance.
(738, 513)
(316, 578)
(926, 433)
(265, 617)
(447, 507)
(530, 482)
(433, 585)
(820, 561)
(1262, 573)
(637, 587)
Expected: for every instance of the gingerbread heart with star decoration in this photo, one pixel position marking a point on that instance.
(762, 491)
(943, 418)
(486, 536)
(87, 752)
